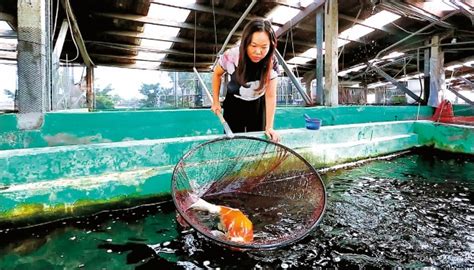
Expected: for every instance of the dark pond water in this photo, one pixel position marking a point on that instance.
(412, 211)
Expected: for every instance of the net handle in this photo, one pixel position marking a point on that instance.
(224, 123)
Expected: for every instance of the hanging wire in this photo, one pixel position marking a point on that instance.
(353, 23)
(419, 80)
(418, 72)
(409, 32)
(194, 45)
(404, 66)
(293, 46)
(55, 19)
(67, 7)
(215, 28)
(286, 43)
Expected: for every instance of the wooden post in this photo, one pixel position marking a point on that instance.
(437, 82)
(90, 88)
(331, 68)
(319, 56)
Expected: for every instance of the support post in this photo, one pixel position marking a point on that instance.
(437, 79)
(426, 78)
(197, 94)
(90, 88)
(34, 62)
(319, 56)
(58, 47)
(175, 87)
(331, 58)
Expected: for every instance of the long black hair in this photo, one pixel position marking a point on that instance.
(256, 25)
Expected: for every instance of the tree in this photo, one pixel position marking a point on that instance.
(103, 99)
(156, 96)
(10, 94)
(189, 85)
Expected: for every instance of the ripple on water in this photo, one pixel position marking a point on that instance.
(412, 211)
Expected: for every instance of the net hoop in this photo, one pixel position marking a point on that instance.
(319, 211)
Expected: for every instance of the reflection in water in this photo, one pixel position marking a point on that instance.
(412, 211)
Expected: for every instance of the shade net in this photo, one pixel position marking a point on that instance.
(277, 189)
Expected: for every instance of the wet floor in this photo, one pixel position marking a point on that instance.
(412, 211)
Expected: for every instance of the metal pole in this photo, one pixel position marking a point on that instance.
(175, 89)
(396, 83)
(293, 78)
(426, 77)
(226, 126)
(231, 33)
(467, 100)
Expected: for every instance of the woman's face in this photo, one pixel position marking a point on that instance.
(259, 46)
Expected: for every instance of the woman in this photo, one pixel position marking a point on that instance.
(250, 101)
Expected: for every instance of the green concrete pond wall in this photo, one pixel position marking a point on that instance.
(133, 154)
(463, 110)
(98, 127)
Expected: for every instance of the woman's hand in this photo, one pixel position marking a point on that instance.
(272, 135)
(216, 108)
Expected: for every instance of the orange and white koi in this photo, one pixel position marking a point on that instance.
(233, 222)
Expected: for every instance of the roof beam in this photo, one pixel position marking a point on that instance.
(225, 12)
(299, 17)
(154, 21)
(131, 66)
(134, 34)
(4, 55)
(284, 3)
(58, 47)
(7, 47)
(202, 8)
(152, 66)
(411, 9)
(7, 34)
(361, 22)
(134, 48)
(134, 58)
(10, 19)
(465, 10)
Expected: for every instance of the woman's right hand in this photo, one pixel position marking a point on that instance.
(216, 108)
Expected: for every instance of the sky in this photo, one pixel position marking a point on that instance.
(7, 79)
(125, 82)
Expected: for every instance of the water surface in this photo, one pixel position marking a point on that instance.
(412, 211)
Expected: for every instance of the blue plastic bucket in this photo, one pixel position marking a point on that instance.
(313, 123)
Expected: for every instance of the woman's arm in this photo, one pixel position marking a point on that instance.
(270, 107)
(216, 87)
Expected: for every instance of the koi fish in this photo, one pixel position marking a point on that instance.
(233, 222)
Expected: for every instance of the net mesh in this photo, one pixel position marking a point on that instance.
(280, 192)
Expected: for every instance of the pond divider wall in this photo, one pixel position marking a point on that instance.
(77, 164)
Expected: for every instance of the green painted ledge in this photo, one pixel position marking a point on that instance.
(463, 110)
(102, 127)
(450, 138)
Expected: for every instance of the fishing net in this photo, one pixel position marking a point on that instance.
(277, 189)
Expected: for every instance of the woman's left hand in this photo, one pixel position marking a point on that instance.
(272, 135)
